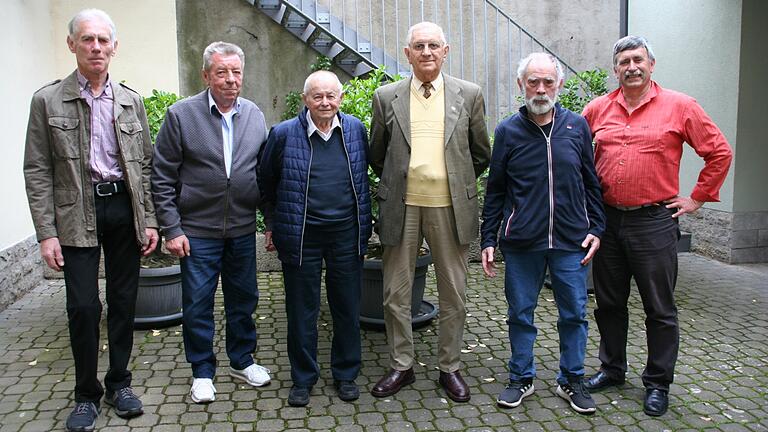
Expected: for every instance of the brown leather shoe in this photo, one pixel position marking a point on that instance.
(392, 382)
(454, 386)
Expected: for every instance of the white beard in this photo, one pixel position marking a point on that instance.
(540, 108)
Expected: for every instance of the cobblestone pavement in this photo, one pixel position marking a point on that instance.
(721, 381)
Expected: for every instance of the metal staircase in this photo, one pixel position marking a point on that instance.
(360, 35)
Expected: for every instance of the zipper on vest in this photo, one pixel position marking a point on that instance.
(226, 210)
(354, 190)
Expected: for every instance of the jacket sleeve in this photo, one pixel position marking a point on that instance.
(592, 189)
(379, 136)
(270, 171)
(38, 171)
(479, 145)
(150, 219)
(495, 192)
(166, 181)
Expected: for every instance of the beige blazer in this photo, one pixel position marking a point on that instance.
(467, 153)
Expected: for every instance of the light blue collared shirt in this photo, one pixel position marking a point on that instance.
(227, 129)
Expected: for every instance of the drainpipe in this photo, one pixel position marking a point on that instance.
(623, 18)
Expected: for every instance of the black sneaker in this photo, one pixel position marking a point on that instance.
(513, 395)
(578, 396)
(125, 403)
(347, 390)
(299, 396)
(83, 417)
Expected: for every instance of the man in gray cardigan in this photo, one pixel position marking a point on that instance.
(206, 195)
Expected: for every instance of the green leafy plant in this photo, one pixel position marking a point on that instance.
(581, 88)
(357, 102)
(156, 106)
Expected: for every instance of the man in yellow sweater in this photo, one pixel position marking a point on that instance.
(429, 143)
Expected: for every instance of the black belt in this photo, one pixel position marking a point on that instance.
(633, 208)
(105, 189)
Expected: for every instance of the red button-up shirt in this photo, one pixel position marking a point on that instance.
(637, 155)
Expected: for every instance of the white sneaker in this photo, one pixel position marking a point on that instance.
(254, 375)
(202, 390)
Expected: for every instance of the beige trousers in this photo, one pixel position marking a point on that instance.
(438, 226)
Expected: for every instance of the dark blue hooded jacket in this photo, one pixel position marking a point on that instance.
(546, 194)
(283, 174)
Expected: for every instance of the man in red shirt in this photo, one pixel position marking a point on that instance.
(639, 130)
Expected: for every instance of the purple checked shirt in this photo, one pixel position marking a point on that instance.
(104, 149)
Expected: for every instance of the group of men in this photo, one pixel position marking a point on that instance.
(95, 182)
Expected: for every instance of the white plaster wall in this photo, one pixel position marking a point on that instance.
(29, 59)
(697, 48)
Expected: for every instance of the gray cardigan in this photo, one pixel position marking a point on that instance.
(190, 188)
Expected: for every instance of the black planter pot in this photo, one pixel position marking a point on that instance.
(372, 295)
(158, 303)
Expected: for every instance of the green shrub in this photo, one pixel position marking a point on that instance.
(156, 106)
(581, 88)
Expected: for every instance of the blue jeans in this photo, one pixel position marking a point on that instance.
(524, 276)
(343, 277)
(235, 260)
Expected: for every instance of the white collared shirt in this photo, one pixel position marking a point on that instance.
(324, 135)
(436, 84)
(227, 130)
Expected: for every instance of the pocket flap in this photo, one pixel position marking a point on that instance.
(63, 123)
(130, 127)
(471, 191)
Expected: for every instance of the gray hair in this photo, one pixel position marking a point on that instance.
(630, 43)
(409, 36)
(222, 48)
(316, 74)
(91, 15)
(523, 66)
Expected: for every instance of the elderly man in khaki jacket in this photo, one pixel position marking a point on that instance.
(86, 165)
(429, 143)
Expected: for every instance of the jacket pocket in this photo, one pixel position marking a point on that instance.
(132, 141)
(64, 137)
(64, 197)
(508, 225)
(471, 191)
(382, 193)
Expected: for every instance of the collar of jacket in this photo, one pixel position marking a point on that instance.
(304, 124)
(71, 90)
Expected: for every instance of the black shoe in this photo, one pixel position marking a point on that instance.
(575, 392)
(601, 380)
(347, 390)
(299, 396)
(125, 403)
(83, 417)
(656, 402)
(513, 395)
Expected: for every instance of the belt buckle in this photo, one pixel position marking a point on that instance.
(99, 191)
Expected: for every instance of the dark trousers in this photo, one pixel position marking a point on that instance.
(235, 260)
(343, 278)
(117, 236)
(640, 244)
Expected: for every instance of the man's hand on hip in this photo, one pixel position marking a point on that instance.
(683, 205)
(50, 249)
(178, 246)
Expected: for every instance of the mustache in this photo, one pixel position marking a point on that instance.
(634, 74)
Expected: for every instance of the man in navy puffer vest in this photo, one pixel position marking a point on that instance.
(314, 178)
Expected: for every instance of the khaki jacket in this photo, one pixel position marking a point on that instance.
(467, 153)
(57, 162)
